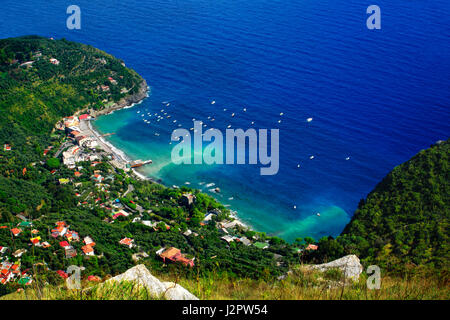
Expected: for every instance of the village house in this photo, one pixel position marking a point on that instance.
(27, 64)
(228, 238)
(70, 252)
(8, 271)
(16, 231)
(187, 199)
(245, 241)
(84, 117)
(60, 229)
(54, 61)
(7, 147)
(208, 218)
(88, 241)
(88, 249)
(127, 242)
(64, 244)
(138, 256)
(25, 224)
(71, 122)
(72, 236)
(112, 80)
(25, 281)
(36, 241)
(74, 133)
(174, 255)
(312, 247)
(45, 245)
(71, 156)
(18, 253)
(97, 178)
(63, 181)
(120, 213)
(104, 88)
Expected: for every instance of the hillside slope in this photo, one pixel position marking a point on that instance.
(405, 219)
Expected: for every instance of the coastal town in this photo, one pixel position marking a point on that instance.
(69, 197)
(81, 146)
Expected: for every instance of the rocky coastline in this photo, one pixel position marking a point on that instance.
(126, 101)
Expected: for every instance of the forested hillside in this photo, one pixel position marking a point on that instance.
(42, 80)
(405, 219)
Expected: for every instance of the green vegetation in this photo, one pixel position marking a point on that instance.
(402, 225)
(405, 219)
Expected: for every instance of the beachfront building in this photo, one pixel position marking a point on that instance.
(71, 156)
(71, 121)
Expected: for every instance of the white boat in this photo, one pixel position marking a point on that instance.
(309, 119)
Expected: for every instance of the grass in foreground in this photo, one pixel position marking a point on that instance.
(300, 285)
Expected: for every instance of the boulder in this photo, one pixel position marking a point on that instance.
(142, 276)
(350, 266)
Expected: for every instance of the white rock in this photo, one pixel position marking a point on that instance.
(350, 265)
(142, 276)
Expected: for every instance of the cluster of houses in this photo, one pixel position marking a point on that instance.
(62, 230)
(10, 271)
(75, 153)
(37, 55)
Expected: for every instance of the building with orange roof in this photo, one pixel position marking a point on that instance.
(174, 255)
(36, 241)
(88, 250)
(127, 242)
(16, 231)
(312, 247)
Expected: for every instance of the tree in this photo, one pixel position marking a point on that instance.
(53, 163)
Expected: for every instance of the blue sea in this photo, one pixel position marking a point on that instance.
(377, 97)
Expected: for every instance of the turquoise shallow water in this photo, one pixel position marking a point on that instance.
(257, 203)
(377, 97)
